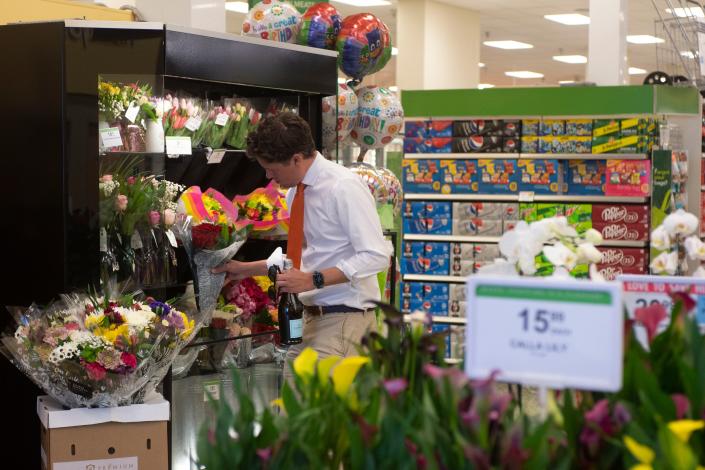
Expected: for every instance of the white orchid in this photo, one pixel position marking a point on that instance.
(665, 263)
(561, 255)
(418, 319)
(695, 248)
(587, 253)
(680, 222)
(593, 236)
(500, 267)
(660, 239)
(700, 272)
(516, 243)
(596, 275)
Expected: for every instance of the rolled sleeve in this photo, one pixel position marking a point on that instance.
(358, 216)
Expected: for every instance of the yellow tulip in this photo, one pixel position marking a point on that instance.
(640, 452)
(325, 366)
(113, 334)
(345, 372)
(278, 402)
(305, 363)
(685, 427)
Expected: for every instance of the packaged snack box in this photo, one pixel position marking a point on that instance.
(578, 127)
(529, 144)
(552, 127)
(421, 176)
(437, 258)
(478, 127)
(412, 259)
(615, 144)
(628, 178)
(583, 144)
(478, 144)
(439, 225)
(545, 210)
(486, 251)
(511, 128)
(459, 176)
(539, 176)
(497, 176)
(510, 144)
(585, 177)
(469, 210)
(601, 127)
(463, 250)
(461, 267)
(620, 213)
(529, 127)
(510, 211)
(417, 129)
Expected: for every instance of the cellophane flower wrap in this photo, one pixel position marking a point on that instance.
(182, 116)
(87, 351)
(265, 209)
(211, 233)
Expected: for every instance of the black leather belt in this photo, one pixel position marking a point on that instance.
(322, 310)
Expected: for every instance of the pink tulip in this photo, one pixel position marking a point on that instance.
(169, 217)
(131, 180)
(650, 317)
(106, 178)
(154, 217)
(121, 203)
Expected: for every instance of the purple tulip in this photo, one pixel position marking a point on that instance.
(395, 386)
(682, 404)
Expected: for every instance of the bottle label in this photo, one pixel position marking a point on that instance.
(296, 328)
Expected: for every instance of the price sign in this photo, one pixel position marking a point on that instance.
(556, 334)
(211, 389)
(178, 145)
(642, 291)
(131, 113)
(216, 156)
(221, 119)
(110, 137)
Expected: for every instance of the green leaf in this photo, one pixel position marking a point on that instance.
(676, 453)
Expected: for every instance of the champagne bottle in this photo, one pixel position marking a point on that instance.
(291, 312)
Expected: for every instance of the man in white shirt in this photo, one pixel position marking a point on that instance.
(343, 247)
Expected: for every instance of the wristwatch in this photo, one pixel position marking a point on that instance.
(318, 279)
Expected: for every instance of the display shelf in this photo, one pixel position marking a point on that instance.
(433, 278)
(130, 154)
(442, 320)
(532, 156)
(450, 238)
(515, 197)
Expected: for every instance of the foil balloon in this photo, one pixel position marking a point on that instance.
(373, 179)
(380, 117)
(395, 194)
(364, 45)
(320, 25)
(272, 20)
(338, 122)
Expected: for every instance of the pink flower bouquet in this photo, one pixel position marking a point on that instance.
(265, 209)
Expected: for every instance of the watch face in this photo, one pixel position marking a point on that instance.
(318, 279)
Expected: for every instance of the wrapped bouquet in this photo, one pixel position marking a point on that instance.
(88, 351)
(182, 117)
(126, 107)
(265, 209)
(211, 233)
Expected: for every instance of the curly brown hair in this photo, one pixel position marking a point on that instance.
(279, 137)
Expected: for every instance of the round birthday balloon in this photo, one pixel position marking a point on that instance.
(320, 25)
(339, 121)
(380, 117)
(394, 190)
(272, 20)
(364, 45)
(373, 179)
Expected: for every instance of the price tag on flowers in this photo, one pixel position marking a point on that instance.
(178, 145)
(110, 137)
(543, 333)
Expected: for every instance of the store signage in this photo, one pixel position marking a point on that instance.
(547, 333)
(110, 137)
(178, 145)
(642, 291)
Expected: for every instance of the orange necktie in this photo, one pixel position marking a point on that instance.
(296, 227)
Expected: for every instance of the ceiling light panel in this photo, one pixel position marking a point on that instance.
(571, 59)
(508, 44)
(644, 39)
(523, 74)
(570, 19)
(636, 71)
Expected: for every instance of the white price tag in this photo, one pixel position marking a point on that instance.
(171, 237)
(193, 123)
(131, 113)
(110, 137)
(526, 196)
(178, 145)
(211, 389)
(216, 156)
(556, 334)
(221, 119)
(643, 291)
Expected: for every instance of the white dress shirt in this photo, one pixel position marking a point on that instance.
(341, 230)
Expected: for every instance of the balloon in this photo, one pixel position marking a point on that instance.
(272, 20)
(338, 127)
(364, 45)
(372, 179)
(320, 26)
(394, 190)
(380, 117)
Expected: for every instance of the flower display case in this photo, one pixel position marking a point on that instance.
(71, 124)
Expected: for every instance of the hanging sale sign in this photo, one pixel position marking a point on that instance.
(641, 291)
(555, 334)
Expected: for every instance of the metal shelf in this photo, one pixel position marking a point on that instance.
(515, 197)
(460, 156)
(533, 156)
(432, 278)
(450, 238)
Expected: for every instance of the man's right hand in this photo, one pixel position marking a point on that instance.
(238, 270)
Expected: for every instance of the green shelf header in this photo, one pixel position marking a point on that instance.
(551, 101)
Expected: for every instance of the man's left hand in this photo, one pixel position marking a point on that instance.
(295, 281)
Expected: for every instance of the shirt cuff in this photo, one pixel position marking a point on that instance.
(276, 259)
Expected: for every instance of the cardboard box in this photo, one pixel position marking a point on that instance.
(529, 127)
(511, 128)
(421, 176)
(552, 127)
(545, 210)
(539, 176)
(436, 258)
(583, 177)
(461, 267)
(439, 225)
(578, 127)
(412, 258)
(456, 293)
(441, 129)
(601, 127)
(508, 225)
(437, 209)
(133, 437)
(462, 250)
(510, 144)
(478, 127)
(510, 211)
(414, 210)
(626, 258)
(469, 210)
(610, 273)
(414, 225)
(621, 231)
(486, 252)
(488, 227)
(434, 291)
(412, 290)
(497, 176)
(478, 144)
(620, 213)
(529, 144)
(628, 178)
(616, 144)
(417, 129)
(459, 176)
(528, 211)
(457, 308)
(579, 216)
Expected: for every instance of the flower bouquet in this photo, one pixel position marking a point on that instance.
(182, 117)
(98, 351)
(674, 239)
(211, 233)
(126, 107)
(217, 126)
(265, 209)
(245, 120)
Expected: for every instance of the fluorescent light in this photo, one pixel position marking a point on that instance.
(687, 12)
(523, 74)
(644, 39)
(342, 81)
(636, 71)
(688, 54)
(480, 64)
(571, 59)
(395, 51)
(570, 19)
(565, 82)
(204, 6)
(482, 86)
(393, 88)
(508, 44)
(237, 7)
(365, 3)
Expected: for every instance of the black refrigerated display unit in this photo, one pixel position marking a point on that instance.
(51, 158)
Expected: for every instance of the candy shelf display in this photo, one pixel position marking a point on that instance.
(478, 161)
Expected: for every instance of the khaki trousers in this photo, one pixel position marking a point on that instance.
(331, 334)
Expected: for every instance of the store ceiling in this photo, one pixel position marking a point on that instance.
(523, 20)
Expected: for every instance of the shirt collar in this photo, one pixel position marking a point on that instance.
(314, 171)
